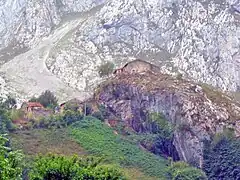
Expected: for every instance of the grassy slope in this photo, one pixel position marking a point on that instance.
(42, 141)
(99, 139)
(33, 142)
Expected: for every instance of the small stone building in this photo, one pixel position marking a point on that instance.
(73, 104)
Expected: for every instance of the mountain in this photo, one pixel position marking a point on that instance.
(29, 30)
(60, 44)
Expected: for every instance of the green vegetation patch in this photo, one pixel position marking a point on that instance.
(33, 142)
(11, 165)
(97, 138)
(222, 157)
(181, 170)
(73, 168)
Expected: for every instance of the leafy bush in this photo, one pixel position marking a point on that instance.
(96, 137)
(5, 121)
(16, 114)
(222, 157)
(72, 168)
(7, 114)
(70, 117)
(181, 171)
(106, 69)
(98, 115)
(10, 162)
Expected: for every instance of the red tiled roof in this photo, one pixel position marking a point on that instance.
(34, 104)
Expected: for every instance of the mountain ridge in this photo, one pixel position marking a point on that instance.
(201, 42)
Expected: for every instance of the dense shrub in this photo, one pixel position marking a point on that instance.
(72, 168)
(73, 106)
(70, 117)
(10, 162)
(105, 69)
(182, 171)
(7, 112)
(58, 120)
(222, 157)
(5, 121)
(47, 99)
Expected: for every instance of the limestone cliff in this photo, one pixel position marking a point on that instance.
(70, 39)
(199, 110)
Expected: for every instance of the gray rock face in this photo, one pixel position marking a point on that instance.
(28, 31)
(23, 23)
(198, 38)
(195, 114)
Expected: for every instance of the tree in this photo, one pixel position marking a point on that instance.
(222, 157)
(105, 69)
(47, 99)
(5, 121)
(11, 166)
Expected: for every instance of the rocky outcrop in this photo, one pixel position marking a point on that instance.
(196, 112)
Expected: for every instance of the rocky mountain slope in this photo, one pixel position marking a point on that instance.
(196, 112)
(27, 40)
(198, 38)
